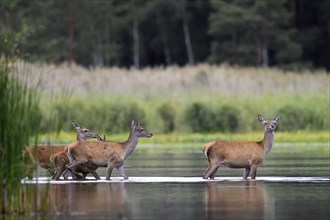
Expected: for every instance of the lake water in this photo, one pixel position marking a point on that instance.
(293, 184)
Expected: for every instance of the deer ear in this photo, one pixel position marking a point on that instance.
(134, 122)
(276, 119)
(76, 126)
(261, 119)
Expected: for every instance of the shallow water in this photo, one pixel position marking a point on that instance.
(168, 185)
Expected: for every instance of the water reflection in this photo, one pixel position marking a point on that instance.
(194, 200)
(242, 200)
(104, 201)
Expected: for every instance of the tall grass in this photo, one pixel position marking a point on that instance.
(173, 81)
(19, 122)
(164, 99)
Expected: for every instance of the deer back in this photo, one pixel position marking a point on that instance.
(98, 152)
(233, 150)
(43, 153)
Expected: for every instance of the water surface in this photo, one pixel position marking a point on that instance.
(168, 185)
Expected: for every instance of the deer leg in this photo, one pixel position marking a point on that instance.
(71, 167)
(109, 171)
(74, 163)
(206, 170)
(211, 170)
(204, 174)
(84, 175)
(66, 174)
(75, 174)
(213, 173)
(57, 174)
(246, 172)
(254, 171)
(95, 175)
(122, 172)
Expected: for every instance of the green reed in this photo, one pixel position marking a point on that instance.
(19, 123)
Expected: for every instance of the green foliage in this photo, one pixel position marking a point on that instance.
(19, 121)
(295, 118)
(203, 119)
(227, 119)
(299, 117)
(101, 116)
(200, 118)
(249, 32)
(167, 114)
(198, 114)
(252, 32)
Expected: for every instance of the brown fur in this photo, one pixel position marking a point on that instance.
(90, 155)
(234, 154)
(47, 155)
(60, 160)
(42, 154)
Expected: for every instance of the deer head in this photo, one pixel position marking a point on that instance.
(139, 131)
(270, 125)
(84, 133)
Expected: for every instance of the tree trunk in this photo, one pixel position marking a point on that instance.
(265, 61)
(167, 54)
(98, 55)
(136, 44)
(71, 38)
(187, 41)
(258, 45)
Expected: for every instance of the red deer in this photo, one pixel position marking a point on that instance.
(43, 153)
(90, 155)
(60, 160)
(234, 154)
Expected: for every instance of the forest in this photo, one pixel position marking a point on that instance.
(289, 34)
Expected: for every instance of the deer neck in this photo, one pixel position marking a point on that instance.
(79, 138)
(131, 143)
(267, 142)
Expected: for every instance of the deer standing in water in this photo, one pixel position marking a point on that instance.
(234, 154)
(60, 160)
(44, 153)
(90, 155)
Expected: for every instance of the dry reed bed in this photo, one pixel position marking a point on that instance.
(172, 81)
(111, 95)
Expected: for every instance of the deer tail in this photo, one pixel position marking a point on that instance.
(206, 149)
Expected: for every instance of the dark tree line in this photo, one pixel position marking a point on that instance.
(139, 33)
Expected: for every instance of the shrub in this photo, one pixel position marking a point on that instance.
(103, 116)
(167, 114)
(200, 118)
(293, 118)
(227, 119)
(309, 117)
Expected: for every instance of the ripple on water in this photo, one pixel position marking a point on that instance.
(44, 180)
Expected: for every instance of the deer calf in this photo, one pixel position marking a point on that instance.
(43, 154)
(60, 160)
(234, 154)
(91, 155)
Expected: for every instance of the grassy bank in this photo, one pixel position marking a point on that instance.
(203, 98)
(198, 138)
